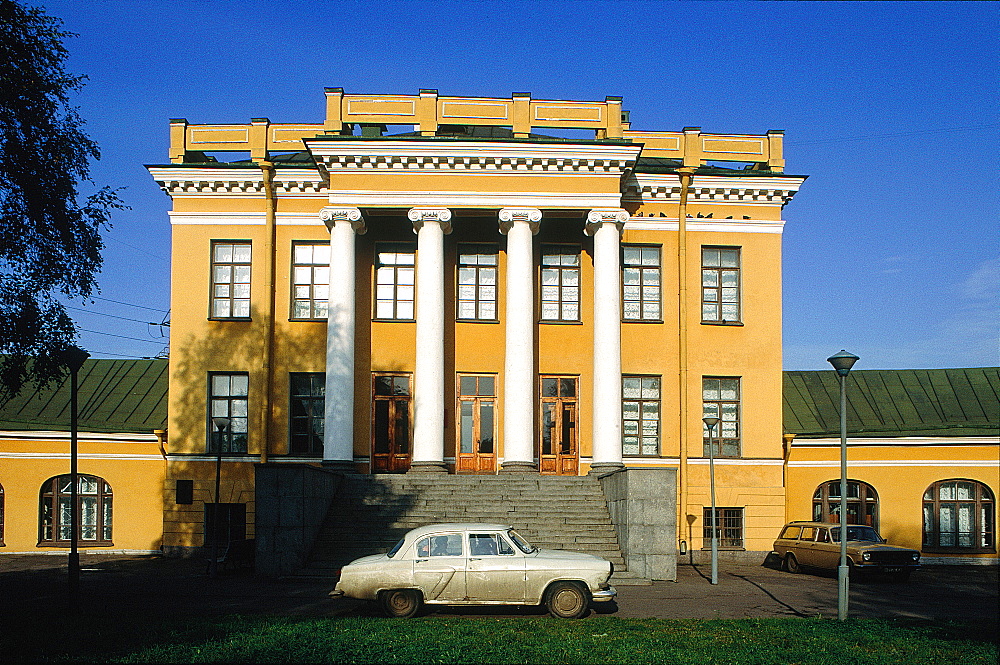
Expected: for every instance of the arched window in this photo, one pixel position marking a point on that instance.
(958, 517)
(93, 506)
(862, 503)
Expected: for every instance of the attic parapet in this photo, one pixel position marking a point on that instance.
(693, 148)
(427, 112)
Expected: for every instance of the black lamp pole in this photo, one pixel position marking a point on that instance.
(843, 362)
(711, 422)
(222, 424)
(75, 357)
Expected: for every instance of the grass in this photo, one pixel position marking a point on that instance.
(513, 639)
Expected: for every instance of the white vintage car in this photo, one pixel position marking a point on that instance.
(476, 564)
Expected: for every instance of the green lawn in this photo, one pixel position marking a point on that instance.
(532, 639)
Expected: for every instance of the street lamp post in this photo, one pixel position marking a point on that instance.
(843, 362)
(221, 424)
(75, 357)
(711, 423)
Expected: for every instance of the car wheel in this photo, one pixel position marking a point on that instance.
(792, 564)
(567, 600)
(401, 603)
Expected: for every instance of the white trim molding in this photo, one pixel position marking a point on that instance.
(367, 198)
(654, 223)
(51, 435)
(942, 463)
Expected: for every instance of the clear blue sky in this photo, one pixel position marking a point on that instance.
(891, 248)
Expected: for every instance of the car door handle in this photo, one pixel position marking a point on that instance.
(420, 561)
(475, 558)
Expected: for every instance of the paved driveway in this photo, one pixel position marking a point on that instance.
(174, 587)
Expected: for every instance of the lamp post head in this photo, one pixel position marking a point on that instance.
(710, 422)
(842, 362)
(73, 358)
(221, 424)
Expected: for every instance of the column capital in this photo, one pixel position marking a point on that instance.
(510, 215)
(421, 215)
(598, 216)
(330, 215)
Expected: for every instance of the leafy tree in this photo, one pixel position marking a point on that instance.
(50, 235)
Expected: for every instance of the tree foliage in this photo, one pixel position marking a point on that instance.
(50, 234)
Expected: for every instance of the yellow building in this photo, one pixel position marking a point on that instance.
(923, 456)
(121, 461)
(423, 283)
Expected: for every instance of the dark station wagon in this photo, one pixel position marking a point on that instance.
(817, 545)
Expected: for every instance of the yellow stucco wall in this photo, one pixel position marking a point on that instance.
(133, 468)
(900, 471)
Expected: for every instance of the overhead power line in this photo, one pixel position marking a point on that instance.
(113, 316)
(136, 339)
(119, 302)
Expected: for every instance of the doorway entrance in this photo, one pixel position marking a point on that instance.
(559, 452)
(390, 423)
(476, 424)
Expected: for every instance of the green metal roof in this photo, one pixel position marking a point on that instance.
(114, 396)
(894, 403)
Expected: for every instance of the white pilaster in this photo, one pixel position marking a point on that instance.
(338, 436)
(430, 225)
(519, 224)
(606, 226)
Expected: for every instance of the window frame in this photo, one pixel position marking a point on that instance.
(642, 401)
(213, 283)
(984, 504)
(642, 268)
(561, 288)
(213, 436)
(866, 496)
(717, 438)
(312, 285)
(493, 249)
(718, 288)
(734, 521)
(50, 496)
(2, 499)
(394, 248)
(314, 440)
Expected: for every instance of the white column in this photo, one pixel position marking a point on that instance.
(519, 224)
(430, 225)
(338, 435)
(606, 226)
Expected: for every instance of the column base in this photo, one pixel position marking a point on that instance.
(428, 467)
(603, 468)
(518, 467)
(343, 466)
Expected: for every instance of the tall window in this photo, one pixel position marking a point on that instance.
(228, 399)
(720, 284)
(306, 412)
(640, 283)
(476, 425)
(640, 415)
(721, 399)
(728, 527)
(230, 280)
(959, 517)
(477, 282)
(560, 283)
(93, 508)
(310, 280)
(862, 503)
(394, 281)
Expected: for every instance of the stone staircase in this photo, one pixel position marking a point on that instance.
(370, 513)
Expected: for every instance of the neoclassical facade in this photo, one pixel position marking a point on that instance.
(443, 284)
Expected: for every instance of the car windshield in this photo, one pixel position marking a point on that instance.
(395, 548)
(864, 534)
(521, 543)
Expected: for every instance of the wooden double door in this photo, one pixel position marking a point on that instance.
(559, 452)
(391, 446)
